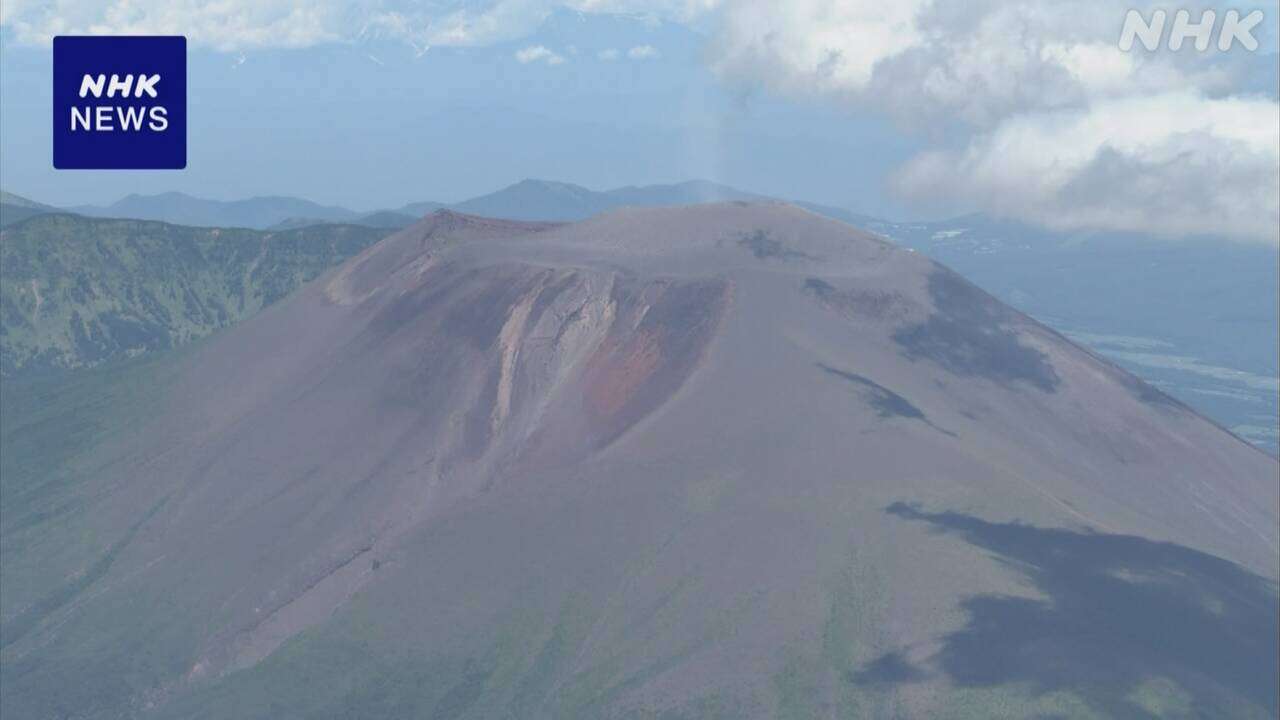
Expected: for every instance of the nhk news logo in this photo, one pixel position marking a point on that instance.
(119, 102)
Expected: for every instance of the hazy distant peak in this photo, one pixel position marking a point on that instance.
(8, 198)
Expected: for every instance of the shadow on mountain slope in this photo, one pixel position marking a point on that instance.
(972, 334)
(1119, 612)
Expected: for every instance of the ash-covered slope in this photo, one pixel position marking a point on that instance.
(729, 460)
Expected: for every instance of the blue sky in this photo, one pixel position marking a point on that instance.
(374, 124)
(913, 109)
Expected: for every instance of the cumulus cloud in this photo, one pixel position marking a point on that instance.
(538, 53)
(609, 55)
(642, 52)
(1172, 164)
(976, 62)
(1056, 124)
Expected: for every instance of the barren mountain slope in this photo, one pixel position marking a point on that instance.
(729, 460)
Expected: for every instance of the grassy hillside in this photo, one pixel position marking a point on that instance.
(13, 214)
(76, 291)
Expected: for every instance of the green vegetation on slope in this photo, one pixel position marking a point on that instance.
(76, 291)
(55, 433)
(14, 214)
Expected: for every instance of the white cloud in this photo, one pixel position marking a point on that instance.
(485, 24)
(228, 25)
(1173, 164)
(977, 62)
(812, 45)
(1042, 116)
(609, 55)
(232, 25)
(538, 53)
(642, 52)
(676, 10)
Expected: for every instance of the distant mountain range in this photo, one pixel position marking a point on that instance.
(15, 208)
(181, 209)
(1197, 318)
(526, 200)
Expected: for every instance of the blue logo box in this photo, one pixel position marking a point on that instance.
(119, 103)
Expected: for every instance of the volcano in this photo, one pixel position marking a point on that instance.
(732, 460)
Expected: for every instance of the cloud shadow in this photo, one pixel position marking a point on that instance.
(1117, 612)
